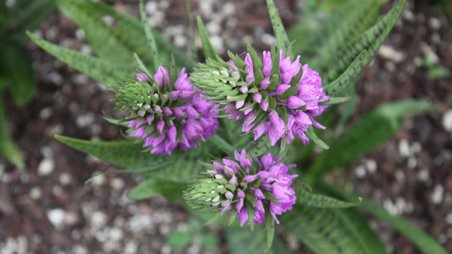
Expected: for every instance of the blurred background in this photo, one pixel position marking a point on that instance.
(61, 201)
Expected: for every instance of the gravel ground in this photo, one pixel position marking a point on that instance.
(52, 208)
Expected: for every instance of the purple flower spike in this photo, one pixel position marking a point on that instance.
(263, 185)
(170, 115)
(301, 104)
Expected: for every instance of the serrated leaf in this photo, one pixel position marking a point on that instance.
(365, 135)
(125, 154)
(102, 71)
(364, 47)
(343, 24)
(183, 167)
(332, 231)
(152, 187)
(308, 199)
(124, 39)
(207, 47)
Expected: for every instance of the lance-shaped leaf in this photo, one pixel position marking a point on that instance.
(242, 240)
(125, 154)
(183, 167)
(207, 47)
(351, 60)
(123, 39)
(17, 69)
(341, 26)
(365, 135)
(425, 243)
(27, 15)
(332, 231)
(149, 37)
(309, 199)
(102, 71)
(278, 27)
(152, 187)
(7, 148)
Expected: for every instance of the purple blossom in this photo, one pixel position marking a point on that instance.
(301, 105)
(263, 185)
(179, 117)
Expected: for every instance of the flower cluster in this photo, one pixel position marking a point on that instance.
(167, 115)
(273, 96)
(246, 188)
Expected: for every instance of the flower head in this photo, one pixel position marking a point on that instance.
(167, 115)
(247, 188)
(274, 96)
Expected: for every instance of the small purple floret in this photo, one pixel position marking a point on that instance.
(188, 119)
(261, 179)
(301, 106)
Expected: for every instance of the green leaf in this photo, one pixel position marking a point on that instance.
(102, 71)
(208, 49)
(241, 240)
(309, 199)
(332, 231)
(7, 148)
(183, 167)
(425, 243)
(341, 26)
(125, 154)
(180, 239)
(353, 58)
(364, 136)
(209, 241)
(17, 68)
(311, 134)
(122, 40)
(278, 27)
(149, 36)
(27, 15)
(152, 187)
(270, 229)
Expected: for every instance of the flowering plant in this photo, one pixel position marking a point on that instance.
(231, 137)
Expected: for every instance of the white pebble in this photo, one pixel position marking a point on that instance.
(65, 179)
(423, 175)
(449, 218)
(360, 171)
(391, 54)
(46, 167)
(85, 120)
(35, 193)
(447, 121)
(56, 217)
(131, 247)
(404, 148)
(371, 166)
(117, 183)
(45, 113)
(435, 23)
(217, 43)
(98, 219)
(437, 195)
